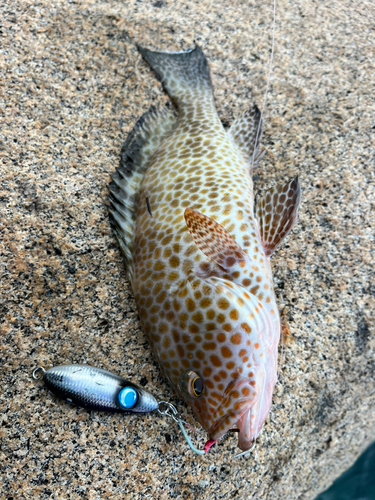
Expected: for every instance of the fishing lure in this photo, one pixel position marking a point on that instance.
(96, 389)
(99, 390)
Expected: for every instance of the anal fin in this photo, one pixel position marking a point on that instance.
(141, 144)
(277, 212)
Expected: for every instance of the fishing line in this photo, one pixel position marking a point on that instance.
(268, 83)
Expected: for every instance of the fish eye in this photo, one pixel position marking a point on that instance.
(191, 384)
(197, 386)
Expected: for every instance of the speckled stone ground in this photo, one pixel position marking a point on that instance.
(72, 86)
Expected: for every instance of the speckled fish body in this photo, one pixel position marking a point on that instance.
(96, 389)
(198, 257)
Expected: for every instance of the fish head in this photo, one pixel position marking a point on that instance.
(232, 364)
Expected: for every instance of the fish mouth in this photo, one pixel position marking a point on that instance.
(247, 434)
(239, 399)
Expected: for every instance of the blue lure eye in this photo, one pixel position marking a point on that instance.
(127, 397)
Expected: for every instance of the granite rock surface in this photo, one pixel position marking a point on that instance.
(72, 87)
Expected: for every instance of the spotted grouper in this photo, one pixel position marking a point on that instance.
(197, 251)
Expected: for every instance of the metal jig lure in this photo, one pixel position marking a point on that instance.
(99, 390)
(96, 389)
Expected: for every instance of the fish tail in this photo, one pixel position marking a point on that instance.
(184, 75)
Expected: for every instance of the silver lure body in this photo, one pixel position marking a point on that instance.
(95, 389)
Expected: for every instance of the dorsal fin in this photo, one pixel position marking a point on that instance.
(277, 212)
(246, 132)
(184, 75)
(214, 241)
(139, 147)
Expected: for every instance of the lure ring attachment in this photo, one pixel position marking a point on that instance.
(39, 368)
(168, 409)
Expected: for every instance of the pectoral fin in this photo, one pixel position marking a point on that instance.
(214, 241)
(277, 212)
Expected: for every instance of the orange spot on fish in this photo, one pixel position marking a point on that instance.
(234, 315)
(215, 360)
(227, 353)
(209, 346)
(210, 314)
(246, 327)
(194, 328)
(223, 303)
(236, 339)
(183, 292)
(190, 305)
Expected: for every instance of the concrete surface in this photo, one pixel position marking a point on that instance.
(72, 87)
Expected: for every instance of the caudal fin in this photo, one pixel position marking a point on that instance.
(184, 75)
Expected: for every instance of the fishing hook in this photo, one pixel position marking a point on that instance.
(172, 412)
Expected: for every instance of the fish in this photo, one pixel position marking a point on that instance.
(96, 389)
(197, 249)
